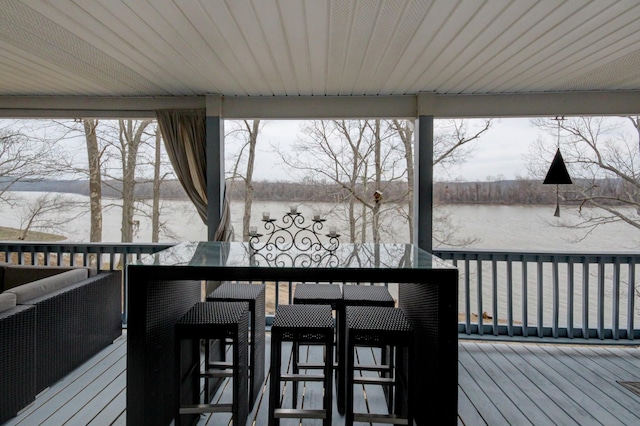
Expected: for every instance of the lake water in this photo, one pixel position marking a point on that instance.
(490, 227)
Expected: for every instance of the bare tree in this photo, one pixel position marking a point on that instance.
(377, 199)
(602, 155)
(125, 143)
(247, 133)
(125, 155)
(404, 130)
(49, 212)
(25, 153)
(94, 156)
(158, 177)
(86, 161)
(360, 158)
(389, 164)
(154, 169)
(131, 137)
(252, 138)
(337, 152)
(358, 154)
(453, 142)
(114, 156)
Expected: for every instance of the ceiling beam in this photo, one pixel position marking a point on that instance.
(319, 107)
(93, 106)
(530, 104)
(330, 107)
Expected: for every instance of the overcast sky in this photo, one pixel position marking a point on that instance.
(500, 151)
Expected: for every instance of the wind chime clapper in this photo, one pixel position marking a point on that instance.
(557, 174)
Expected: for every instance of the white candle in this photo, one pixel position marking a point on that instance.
(253, 230)
(265, 215)
(316, 217)
(332, 231)
(294, 209)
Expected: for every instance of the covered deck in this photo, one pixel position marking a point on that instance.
(499, 383)
(542, 377)
(345, 59)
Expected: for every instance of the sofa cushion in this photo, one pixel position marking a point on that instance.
(7, 301)
(47, 285)
(16, 275)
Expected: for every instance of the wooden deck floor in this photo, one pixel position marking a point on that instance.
(499, 384)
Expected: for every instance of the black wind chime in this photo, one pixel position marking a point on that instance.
(558, 174)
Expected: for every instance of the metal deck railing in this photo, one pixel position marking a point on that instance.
(585, 297)
(547, 295)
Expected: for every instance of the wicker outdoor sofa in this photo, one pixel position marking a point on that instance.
(52, 319)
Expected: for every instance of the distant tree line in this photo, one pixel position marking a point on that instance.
(505, 192)
(524, 192)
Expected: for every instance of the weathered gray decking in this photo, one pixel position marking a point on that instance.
(547, 384)
(499, 384)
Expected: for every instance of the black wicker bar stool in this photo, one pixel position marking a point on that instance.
(254, 294)
(316, 294)
(302, 324)
(380, 326)
(359, 295)
(204, 321)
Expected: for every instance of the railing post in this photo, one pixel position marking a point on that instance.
(556, 298)
(509, 297)
(600, 299)
(570, 298)
(479, 297)
(585, 298)
(540, 298)
(615, 300)
(467, 296)
(525, 299)
(494, 286)
(631, 296)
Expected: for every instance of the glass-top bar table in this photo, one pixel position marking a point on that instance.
(163, 286)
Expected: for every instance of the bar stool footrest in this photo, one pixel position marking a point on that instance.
(219, 365)
(216, 374)
(372, 367)
(293, 413)
(379, 418)
(302, 377)
(206, 408)
(374, 381)
(311, 366)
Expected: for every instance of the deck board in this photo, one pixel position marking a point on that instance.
(521, 409)
(480, 397)
(61, 401)
(605, 388)
(467, 412)
(575, 387)
(113, 412)
(541, 408)
(550, 384)
(498, 384)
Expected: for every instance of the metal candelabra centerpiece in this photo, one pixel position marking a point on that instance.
(310, 246)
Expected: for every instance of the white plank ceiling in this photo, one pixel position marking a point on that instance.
(317, 47)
